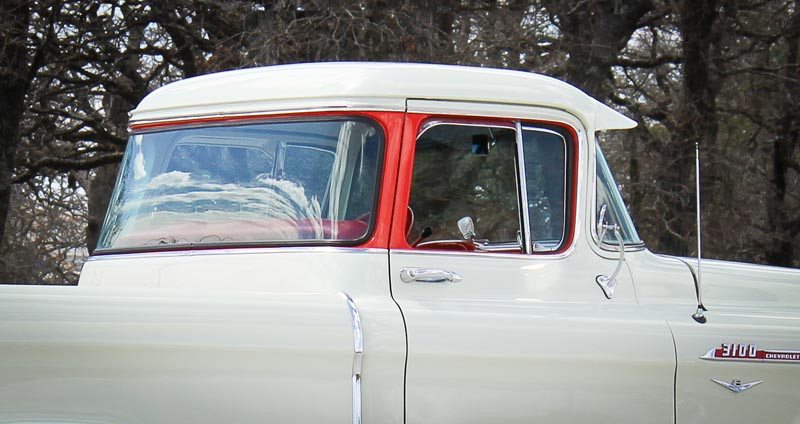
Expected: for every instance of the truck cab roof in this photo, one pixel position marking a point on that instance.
(375, 86)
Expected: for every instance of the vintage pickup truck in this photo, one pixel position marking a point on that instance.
(389, 243)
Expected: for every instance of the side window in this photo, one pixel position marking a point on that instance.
(464, 171)
(608, 194)
(546, 186)
(467, 190)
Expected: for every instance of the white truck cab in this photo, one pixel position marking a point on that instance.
(375, 242)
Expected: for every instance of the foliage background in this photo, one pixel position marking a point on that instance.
(722, 73)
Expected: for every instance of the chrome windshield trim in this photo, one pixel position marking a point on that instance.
(358, 355)
(235, 251)
(268, 108)
(523, 191)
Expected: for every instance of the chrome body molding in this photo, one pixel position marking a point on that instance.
(265, 108)
(358, 355)
(234, 251)
(215, 119)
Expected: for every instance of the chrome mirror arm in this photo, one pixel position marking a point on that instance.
(609, 282)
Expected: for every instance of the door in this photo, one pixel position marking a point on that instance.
(491, 269)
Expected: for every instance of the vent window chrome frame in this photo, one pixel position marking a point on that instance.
(604, 245)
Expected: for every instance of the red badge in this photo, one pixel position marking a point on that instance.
(750, 353)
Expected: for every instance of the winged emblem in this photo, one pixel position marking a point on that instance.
(736, 386)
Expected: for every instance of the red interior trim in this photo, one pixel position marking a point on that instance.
(406, 164)
(392, 123)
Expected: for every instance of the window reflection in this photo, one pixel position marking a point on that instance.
(248, 183)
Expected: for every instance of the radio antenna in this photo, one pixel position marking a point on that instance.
(698, 315)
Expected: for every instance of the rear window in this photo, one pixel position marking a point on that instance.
(305, 182)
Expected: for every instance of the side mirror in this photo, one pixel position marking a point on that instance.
(467, 228)
(481, 144)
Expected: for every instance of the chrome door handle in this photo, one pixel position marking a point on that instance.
(428, 275)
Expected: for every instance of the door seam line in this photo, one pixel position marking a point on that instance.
(674, 375)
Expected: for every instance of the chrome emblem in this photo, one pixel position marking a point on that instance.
(736, 386)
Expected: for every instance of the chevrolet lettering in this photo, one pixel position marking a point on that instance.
(742, 352)
(390, 243)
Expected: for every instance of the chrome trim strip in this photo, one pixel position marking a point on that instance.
(523, 191)
(430, 124)
(611, 247)
(490, 109)
(235, 251)
(545, 130)
(479, 245)
(495, 247)
(358, 355)
(495, 255)
(270, 108)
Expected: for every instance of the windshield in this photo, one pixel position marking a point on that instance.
(284, 182)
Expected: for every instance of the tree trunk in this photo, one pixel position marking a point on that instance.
(594, 33)
(781, 250)
(696, 122)
(14, 83)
